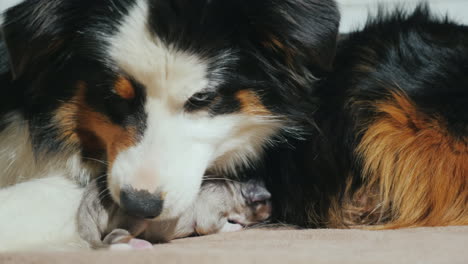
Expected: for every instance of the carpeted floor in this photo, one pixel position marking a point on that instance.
(422, 245)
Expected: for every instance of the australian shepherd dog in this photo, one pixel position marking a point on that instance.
(150, 95)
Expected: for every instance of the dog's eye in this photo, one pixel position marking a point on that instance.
(202, 96)
(200, 100)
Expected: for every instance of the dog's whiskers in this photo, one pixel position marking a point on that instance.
(104, 197)
(97, 160)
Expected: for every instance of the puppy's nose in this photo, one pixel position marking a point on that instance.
(140, 203)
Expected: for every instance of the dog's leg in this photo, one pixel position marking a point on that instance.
(40, 215)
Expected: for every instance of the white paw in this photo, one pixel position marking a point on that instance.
(134, 243)
(120, 247)
(229, 227)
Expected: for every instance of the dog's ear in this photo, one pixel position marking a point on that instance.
(255, 191)
(33, 32)
(298, 31)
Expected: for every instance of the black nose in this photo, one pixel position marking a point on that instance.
(141, 204)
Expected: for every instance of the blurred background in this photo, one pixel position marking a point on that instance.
(355, 12)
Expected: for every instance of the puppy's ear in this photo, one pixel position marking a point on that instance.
(33, 32)
(255, 192)
(297, 31)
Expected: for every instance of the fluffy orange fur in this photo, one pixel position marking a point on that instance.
(251, 104)
(417, 169)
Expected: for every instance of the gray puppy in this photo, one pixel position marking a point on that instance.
(221, 206)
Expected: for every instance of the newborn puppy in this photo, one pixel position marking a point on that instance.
(221, 206)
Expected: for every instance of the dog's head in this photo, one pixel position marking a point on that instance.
(162, 90)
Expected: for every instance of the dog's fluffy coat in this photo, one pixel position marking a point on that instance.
(149, 95)
(155, 93)
(391, 145)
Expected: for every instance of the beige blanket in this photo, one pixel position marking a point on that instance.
(423, 245)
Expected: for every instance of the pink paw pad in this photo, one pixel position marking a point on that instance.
(140, 244)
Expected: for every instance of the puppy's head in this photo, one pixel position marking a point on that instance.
(162, 90)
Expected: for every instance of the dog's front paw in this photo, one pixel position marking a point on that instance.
(230, 227)
(120, 239)
(132, 244)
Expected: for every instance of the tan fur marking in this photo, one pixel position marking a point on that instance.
(276, 45)
(418, 169)
(251, 104)
(80, 124)
(114, 137)
(124, 88)
(65, 117)
(273, 43)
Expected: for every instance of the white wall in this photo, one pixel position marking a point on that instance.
(354, 12)
(4, 4)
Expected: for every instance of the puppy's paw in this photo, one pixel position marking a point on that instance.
(133, 244)
(230, 227)
(120, 239)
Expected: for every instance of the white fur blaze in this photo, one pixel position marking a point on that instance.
(177, 147)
